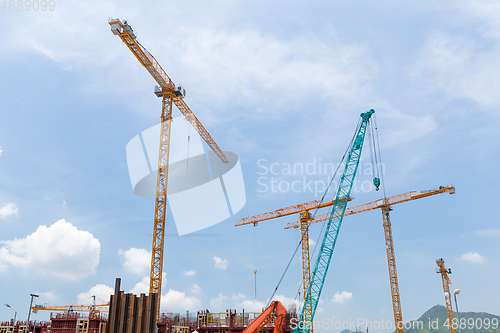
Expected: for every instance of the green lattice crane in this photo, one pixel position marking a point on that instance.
(332, 227)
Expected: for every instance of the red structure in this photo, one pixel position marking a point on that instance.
(76, 322)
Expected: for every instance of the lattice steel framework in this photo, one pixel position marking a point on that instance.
(311, 299)
(169, 93)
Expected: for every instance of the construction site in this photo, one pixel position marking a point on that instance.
(130, 313)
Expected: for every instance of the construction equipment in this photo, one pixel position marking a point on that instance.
(303, 209)
(275, 311)
(73, 307)
(332, 228)
(447, 296)
(170, 94)
(389, 201)
(384, 204)
(312, 288)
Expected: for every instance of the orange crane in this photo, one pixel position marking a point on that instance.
(171, 94)
(274, 311)
(384, 204)
(446, 287)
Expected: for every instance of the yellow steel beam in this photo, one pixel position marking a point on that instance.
(306, 270)
(310, 205)
(392, 200)
(127, 35)
(393, 275)
(446, 288)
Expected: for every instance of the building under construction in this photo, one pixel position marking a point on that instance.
(203, 322)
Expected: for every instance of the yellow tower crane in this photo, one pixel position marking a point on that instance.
(73, 307)
(170, 94)
(446, 287)
(384, 204)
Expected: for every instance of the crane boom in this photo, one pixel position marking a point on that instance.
(170, 94)
(318, 277)
(73, 307)
(127, 35)
(389, 201)
(306, 206)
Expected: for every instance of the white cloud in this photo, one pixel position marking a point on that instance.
(238, 296)
(143, 285)
(273, 68)
(222, 302)
(459, 66)
(485, 14)
(473, 257)
(495, 233)
(252, 305)
(8, 210)
(1, 150)
(178, 300)
(137, 261)
(101, 292)
(220, 263)
(217, 303)
(47, 295)
(191, 272)
(311, 242)
(341, 297)
(60, 250)
(288, 302)
(195, 289)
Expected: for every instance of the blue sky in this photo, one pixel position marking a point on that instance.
(278, 82)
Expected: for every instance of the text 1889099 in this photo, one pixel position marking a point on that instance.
(28, 5)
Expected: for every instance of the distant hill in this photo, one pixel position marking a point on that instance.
(434, 319)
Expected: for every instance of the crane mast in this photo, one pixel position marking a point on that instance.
(446, 288)
(170, 94)
(311, 299)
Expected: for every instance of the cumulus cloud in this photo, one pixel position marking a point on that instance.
(8, 210)
(143, 285)
(61, 250)
(311, 242)
(473, 257)
(288, 302)
(47, 295)
(220, 263)
(195, 289)
(191, 272)
(341, 297)
(137, 261)
(495, 233)
(101, 292)
(217, 303)
(222, 302)
(174, 299)
(459, 67)
(252, 305)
